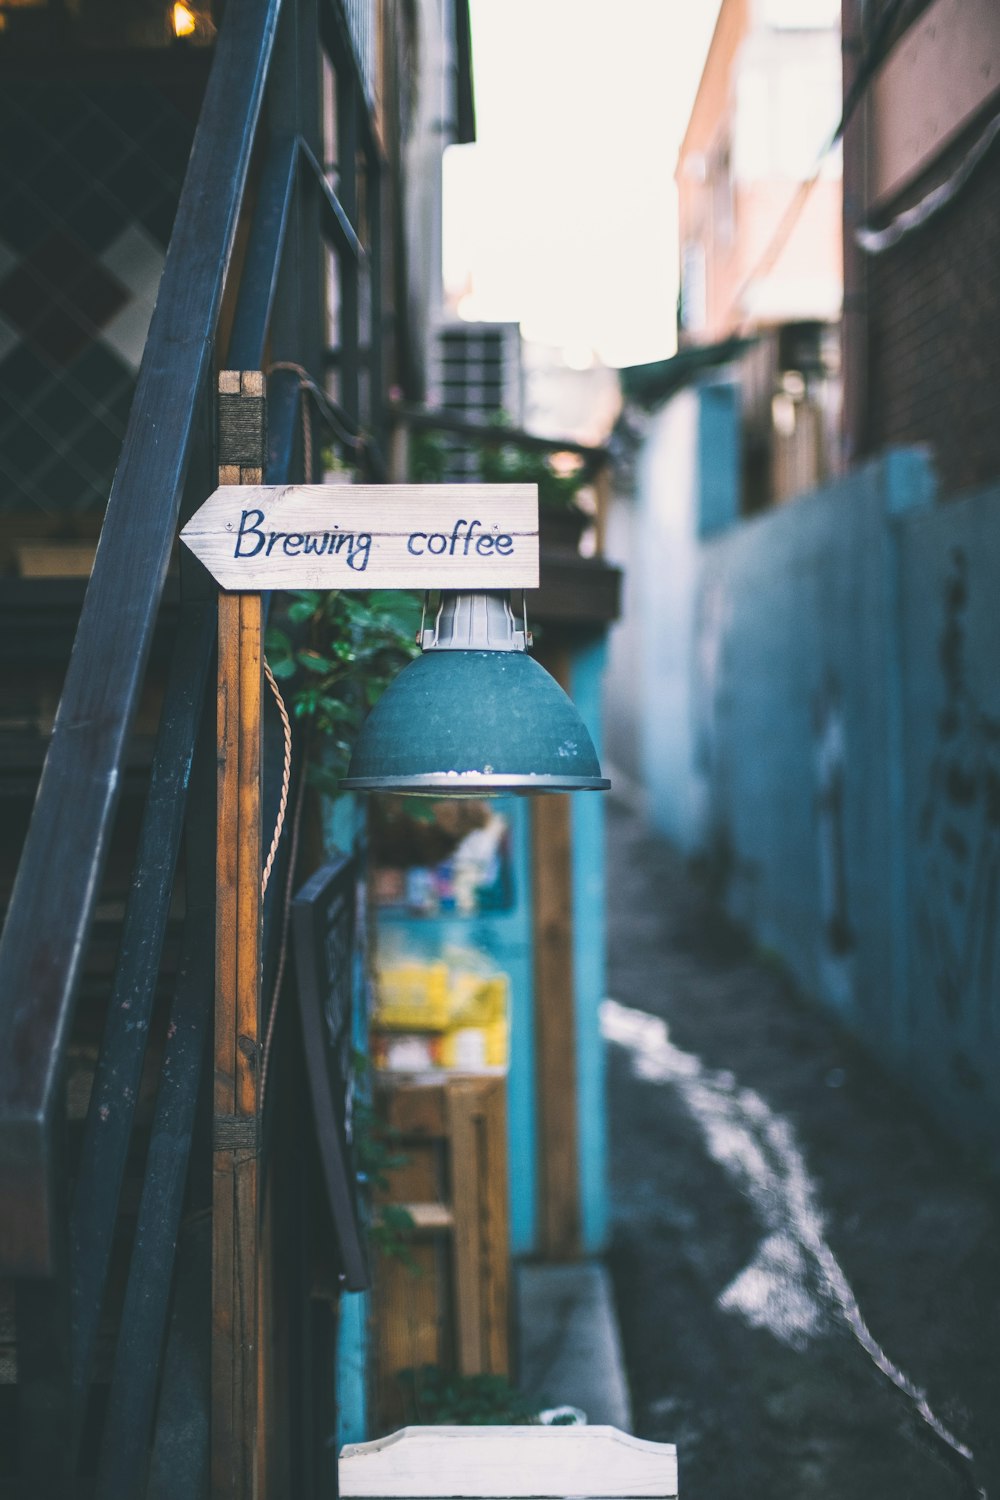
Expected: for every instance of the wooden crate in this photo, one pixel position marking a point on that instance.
(452, 1307)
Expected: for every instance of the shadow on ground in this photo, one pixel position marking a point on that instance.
(749, 1141)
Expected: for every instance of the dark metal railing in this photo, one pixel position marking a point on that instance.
(361, 24)
(52, 904)
(57, 1234)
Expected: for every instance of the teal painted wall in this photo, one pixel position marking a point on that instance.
(589, 958)
(344, 831)
(353, 1348)
(824, 729)
(949, 847)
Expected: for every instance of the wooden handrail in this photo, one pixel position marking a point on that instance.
(44, 938)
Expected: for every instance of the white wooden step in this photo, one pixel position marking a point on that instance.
(531, 1463)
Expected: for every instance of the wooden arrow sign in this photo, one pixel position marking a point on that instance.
(253, 538)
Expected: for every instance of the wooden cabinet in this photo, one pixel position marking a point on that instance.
(446, 1302)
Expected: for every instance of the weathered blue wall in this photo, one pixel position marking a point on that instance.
(949, 607)
(589, 959)
(654, 539)
(831, 742)
(343, 831)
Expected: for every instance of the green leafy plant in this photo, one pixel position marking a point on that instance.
(392, 1231)
(428, 458)
(500, 462)
(433, 1396)
(334, 463)
(508, 463)
(340, 651)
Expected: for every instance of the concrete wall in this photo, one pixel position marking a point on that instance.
(687, 486)
(824, 730)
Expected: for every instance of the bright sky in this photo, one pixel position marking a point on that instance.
(562, 216)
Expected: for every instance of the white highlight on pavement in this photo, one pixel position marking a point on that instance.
(758, 1149)
(753, 1145)
(771, 1292)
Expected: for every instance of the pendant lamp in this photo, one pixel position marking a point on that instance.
(474, 715)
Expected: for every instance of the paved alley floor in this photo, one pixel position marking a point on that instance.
(783, 1220)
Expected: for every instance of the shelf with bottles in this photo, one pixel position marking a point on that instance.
(442, 857)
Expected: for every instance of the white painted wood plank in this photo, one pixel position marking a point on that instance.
(533, 1463)
(260, 537)
(425, 1216)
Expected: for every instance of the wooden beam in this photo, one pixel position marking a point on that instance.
(602, 496)
(582, 592)
(236, 1384)
(555, 1012)
(477, 1129)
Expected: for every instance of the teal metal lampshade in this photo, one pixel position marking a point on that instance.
(474, 716)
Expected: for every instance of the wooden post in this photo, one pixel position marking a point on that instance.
(400, 442)
(602, 496)
(477, 1123)
(236, 1385)
(555, 1013)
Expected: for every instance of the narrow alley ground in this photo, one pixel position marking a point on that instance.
(778, 1205)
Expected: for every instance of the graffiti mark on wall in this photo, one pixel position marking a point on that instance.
(713, 618)
(958, 902)
(730, 878)
(830, 767)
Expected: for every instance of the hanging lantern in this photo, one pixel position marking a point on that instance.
(474, 715)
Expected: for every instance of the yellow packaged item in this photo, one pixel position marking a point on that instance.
(412, 997)
(477, 1001)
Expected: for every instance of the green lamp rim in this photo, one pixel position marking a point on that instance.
(473, 783)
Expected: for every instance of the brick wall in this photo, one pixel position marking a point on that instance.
(934, 330)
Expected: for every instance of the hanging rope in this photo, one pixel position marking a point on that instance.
(286, 777)
(356, 442)
(272, 1014)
